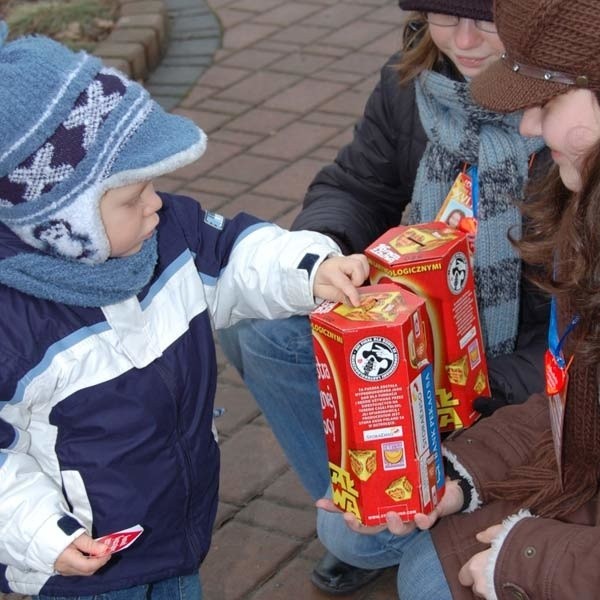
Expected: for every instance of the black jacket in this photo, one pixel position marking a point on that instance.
(366, 190)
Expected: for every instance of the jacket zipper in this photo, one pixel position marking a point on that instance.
(165, 375)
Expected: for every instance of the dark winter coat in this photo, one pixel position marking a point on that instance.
(539, 559)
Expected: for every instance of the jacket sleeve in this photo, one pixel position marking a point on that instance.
(35, 522)
(270, 274)
(548, 559)
(365, 191)
(514, 377)
(489, 449)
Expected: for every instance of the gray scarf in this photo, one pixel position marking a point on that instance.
(460, 131)
(73, 282)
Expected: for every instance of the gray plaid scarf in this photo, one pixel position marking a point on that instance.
(459, 131)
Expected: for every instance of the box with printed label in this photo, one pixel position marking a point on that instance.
(378, 404)
(433, 261)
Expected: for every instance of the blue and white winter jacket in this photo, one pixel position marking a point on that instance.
(106, 413)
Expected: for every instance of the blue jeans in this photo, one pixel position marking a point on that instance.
(276, 361)
(177, 588)
(420, 575)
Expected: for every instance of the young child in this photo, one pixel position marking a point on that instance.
(109, 294)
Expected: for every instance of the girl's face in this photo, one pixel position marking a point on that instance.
(570, 126)
(470, 49)
(129, 217)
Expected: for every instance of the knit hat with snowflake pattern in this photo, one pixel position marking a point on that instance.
(71, 130)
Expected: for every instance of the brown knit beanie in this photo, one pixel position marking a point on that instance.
(480, 10)
(552, 46)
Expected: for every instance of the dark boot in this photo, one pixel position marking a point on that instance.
(336, 577)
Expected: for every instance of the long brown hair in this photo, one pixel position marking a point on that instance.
(419, 53)
(562, 239)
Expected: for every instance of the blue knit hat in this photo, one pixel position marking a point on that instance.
(71, 130)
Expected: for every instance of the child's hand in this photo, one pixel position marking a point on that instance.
(338, 277)
(84, 556)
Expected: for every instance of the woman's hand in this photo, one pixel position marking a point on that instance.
(84, 556)
(473, 572)
(352, 522)
(451, 502)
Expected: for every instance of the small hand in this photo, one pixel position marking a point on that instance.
(473, 572)
(84, 556)
(338, 277)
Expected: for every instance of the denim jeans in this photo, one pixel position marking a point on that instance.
(420, 575)
(277, 364)
(177, 588)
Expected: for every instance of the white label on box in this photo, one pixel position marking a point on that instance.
(385, 253)
(325, 307)
(417, 406)
(425, 494)
(467, 337)
(380, 434)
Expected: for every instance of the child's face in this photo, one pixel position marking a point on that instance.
(129, 217)
(469, 48)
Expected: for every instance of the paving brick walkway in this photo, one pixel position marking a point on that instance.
(279, 96)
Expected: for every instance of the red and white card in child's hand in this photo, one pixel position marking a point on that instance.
(119, 540)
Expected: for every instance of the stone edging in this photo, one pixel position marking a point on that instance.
(165, 44)
(139, 40)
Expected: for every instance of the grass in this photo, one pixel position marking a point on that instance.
(79, 24)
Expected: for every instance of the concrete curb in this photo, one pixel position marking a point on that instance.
(166, 44)
(139, 40)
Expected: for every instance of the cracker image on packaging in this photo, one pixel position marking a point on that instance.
(400, 489)
(363, 463)
(458, 371)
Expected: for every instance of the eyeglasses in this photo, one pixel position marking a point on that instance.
(442, 20)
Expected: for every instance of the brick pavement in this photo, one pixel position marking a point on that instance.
(280, 97)
(277, 99)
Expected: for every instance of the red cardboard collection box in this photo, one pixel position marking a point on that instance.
(374, 366)
(433, 261)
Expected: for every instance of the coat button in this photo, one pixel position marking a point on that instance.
(516, 592)
(529, 552)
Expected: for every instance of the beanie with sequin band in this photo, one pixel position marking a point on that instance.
(552, 46)
(71, 130)
(480, 10)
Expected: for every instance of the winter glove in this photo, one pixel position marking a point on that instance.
(486, 405)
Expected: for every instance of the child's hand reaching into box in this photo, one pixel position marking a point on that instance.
(338, 277)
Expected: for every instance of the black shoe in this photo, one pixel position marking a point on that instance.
(336, 577)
